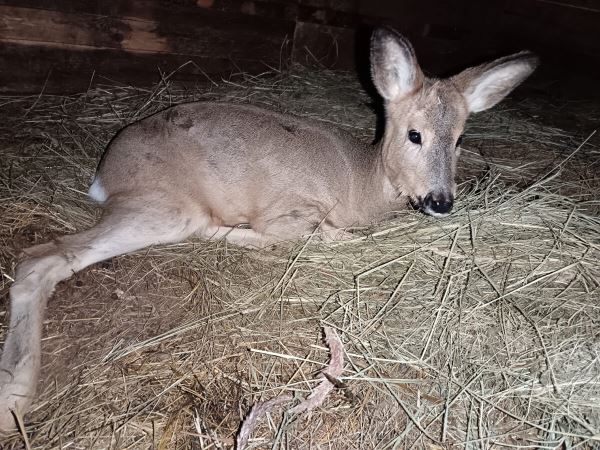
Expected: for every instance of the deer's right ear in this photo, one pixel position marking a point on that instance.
(394, 66)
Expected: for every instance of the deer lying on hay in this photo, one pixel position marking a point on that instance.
(203, 168)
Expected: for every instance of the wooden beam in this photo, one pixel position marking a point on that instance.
(36, 43)
(215, 35)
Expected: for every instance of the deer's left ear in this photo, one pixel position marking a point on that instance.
(485, 85)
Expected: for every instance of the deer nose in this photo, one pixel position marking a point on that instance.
(438, 203)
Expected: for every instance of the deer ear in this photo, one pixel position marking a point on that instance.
(485, 85)
(394, 66)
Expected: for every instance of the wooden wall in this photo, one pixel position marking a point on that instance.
(451, 33)
(64, 45)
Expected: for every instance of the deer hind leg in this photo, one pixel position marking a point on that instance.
(126, 225)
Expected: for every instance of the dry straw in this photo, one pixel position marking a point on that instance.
(475, 331)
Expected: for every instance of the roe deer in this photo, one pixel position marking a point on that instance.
(205, 168)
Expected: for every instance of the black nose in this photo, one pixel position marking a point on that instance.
(438, 203)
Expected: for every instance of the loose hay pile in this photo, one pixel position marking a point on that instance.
(479, 330)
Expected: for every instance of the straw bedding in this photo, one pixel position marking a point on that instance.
(479, 330)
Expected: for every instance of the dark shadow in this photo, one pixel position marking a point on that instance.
(363, 69)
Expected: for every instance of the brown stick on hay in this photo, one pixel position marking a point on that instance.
(315, 399)
(257, 411)
(334, 370)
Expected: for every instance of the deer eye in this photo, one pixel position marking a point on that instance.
(414, 137)
(459, 141)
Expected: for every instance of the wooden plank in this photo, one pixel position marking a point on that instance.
(75, 39)
(83, 30)
(584, 5)
(155, 9)
(215, 35)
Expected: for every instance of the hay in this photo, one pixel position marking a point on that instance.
(479, 330)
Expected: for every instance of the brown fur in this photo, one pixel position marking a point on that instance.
(206, 167)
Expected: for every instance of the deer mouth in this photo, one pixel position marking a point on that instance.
(433, 205)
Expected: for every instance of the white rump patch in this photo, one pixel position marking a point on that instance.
(97, 192)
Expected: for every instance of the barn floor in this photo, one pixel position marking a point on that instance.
(475, 331)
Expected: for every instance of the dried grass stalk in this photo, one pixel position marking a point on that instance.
(333, 369)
